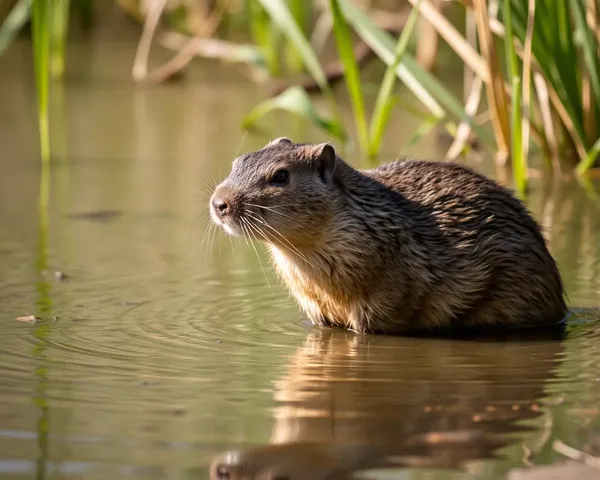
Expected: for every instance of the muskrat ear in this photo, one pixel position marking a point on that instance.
(279, 140)
(325, 156)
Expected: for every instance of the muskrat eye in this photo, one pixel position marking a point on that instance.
(280, 178)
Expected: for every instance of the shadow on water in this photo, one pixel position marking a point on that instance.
(349, 403)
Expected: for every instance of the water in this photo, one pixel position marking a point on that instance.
(164, 348)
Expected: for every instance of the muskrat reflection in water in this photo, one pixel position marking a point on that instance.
(352, 403)
(407, 245)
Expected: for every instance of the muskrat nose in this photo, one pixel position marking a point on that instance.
(220, 205)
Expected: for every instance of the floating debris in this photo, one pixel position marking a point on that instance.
(577, 455)
(29, 319)
(148, 383)
(61, 276)
(559, 471)
(96, 215)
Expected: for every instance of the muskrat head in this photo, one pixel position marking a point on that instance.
(281, 194)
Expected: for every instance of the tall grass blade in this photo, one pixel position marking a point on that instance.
(560, 50)
(13, 23)
(553, 48)
(495, 88)
(301, 10)
(590, 159)
(59, 16)
(526, 100)
(458, 43)
(511, 55)
(546, 113)
(518, 162)
(139, 71)
(464, 130)
(382, 44)
(587, 97)
(262, 32)
(40, 22)
(321, 31)
(429, 90)
(424, 129)
(428, 41)
(85, 11)
(588, 44)
(383, 106)
(351, 73)
(281, 15)
(295, 100)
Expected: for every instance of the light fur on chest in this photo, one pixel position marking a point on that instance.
(314, 289)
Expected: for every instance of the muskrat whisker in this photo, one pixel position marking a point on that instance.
(208, 188)
(207, 230)
(195, 248)
(271, 209)
(291, 246)
(212, 239)
(274, 207)
(261, 221)
(210, 228)
(253, 236)
(263, 234)
(245, 231)
(241, 143)
(231, 244)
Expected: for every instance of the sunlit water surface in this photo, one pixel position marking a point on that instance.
(164, 348)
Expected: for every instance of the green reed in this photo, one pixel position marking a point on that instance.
(282, 17)
(40, 26)
(351, 73)
(369, 136)
(302, 12)
(442, 104)
(551, 84)
(59, 27)
(264, 35)
(14, 22)
(550, 97)
(565, 49)
(267, 33)
(49, 28)
(518, 157)
(385, 100)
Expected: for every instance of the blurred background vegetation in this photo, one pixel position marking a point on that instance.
(531, 68)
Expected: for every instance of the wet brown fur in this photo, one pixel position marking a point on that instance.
(408, 245)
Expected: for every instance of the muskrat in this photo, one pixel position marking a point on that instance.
(409, 245)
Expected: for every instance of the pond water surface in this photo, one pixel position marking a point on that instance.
(161, 349)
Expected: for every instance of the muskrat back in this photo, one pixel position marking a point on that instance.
(409, 245)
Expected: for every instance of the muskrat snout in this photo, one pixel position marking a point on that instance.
(222, 209)
(222, 473)
(220, 206)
